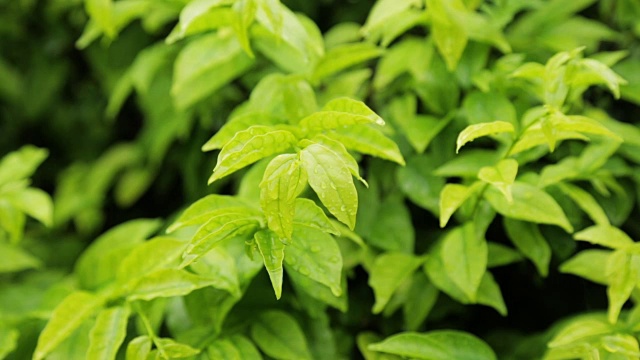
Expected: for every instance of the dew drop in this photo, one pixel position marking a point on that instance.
(333, 186)
(315, 248)
(304, 271)
(334, 259)
(323, 185)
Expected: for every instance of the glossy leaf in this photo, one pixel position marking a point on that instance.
(316, 255)
(473, 132)
(368, 140)
(278, 335)
(388, 272)
(502, 176)
(341, 112)
(340, 151)
(311, 215)
(155, 254)
(249, 146)
(138, 348)
(529, 204)
(605, 235)
(108, 333)
(167, 283)
(331, 180)
(65, 319)
(450, 37)
(452, 197)
(436, 345)
(198, 212)
(284, 179)
(236, 124)
(272, 250)
(528, 239)
(589, 264)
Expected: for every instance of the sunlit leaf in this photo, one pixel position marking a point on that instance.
(605, 235)
(236, 124)
(502, 176)
(586, 202)
(108, 333)
(197, 212)
(311, 215)
(452, 197)
(368, 140)
(138, 348)
(473, 132)
(342, 57)
(272, 250)
(589, 264)
(167, 283)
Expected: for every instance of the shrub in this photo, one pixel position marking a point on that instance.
(489, 215)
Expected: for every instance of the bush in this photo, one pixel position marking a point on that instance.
(489, 215)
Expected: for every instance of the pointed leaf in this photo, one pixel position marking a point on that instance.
(155, 254)
(167, 283)
(331, 180)
(489, 294)
(311, 215)
(21, 164)
(8, 341)
(174, 350)
(501, 176)
(65, 319)
(582, 124)
(392, 228)
(527, 238)
(388, 272)
(420, 301)
(436, 345)
(221, 265)
(305, 285)
(589, 264)
(623, 274)
(193, 215)
(249, 146)
(368, 140)
(278, 335)
(452, 197)
(316, 255)
(529, 204)
(342, 57)
(450, 37)
(473, 132)
(138, 348)
(340, 151)
(272, 251)
(108, 333)
(236, 124)
(605, 235)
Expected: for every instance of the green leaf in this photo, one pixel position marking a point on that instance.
(108, 333)
(167, 283)
(171, 349)
(278, 335)
(501, 255)
(605, 235)
(489, 294)
(284, 179)
(65, 319)
(420, 301)
(220, 265)
(236, 124)
(316, 255)
(452, 197)
(101, 11)
(622, 272)
(392, 229)
(340, 151)
(249, 146)
(586, 202)
(311, 215)
(155, 254)
(331, 180)
(305, 285)
(216, 230)
(368, 140)
(591, 72)
(205, 65)
(529, 204)
(12, 221)
(383, 10)
(244, 11)
(529, 241)
(581, 124)
(436, 345)
(534, 136)
(98, 264)
(473, 132)
(232, 348)
(589, 264)
(198, 212)
(14, 259)
(21, 164)
(419, 184)
(34, 202)
(285, 97)
(388, 272)
(342, 57)
(340, 113)
(502, 176)
(485, 107)
(138, 348)
(272, 250)
(8, 340)
(464, 256)
(450, 37)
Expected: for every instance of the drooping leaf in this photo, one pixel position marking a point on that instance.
(307, 286)
(284, 179)
(249, 146)
(221, 265)
(340, 151)
(278, 335)
(272, 250)
(383, 11)
(527, 238)
(331, 180)
(529, 204)
(489, 294)
(167, 283)
(340, 113)
(473, 132)
(244, 15)
(450, 37)
(436, 345)
(316, 255)
(108, 333)
(388, 272)
(65, 319)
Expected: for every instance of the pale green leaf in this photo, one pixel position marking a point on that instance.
(383, 10)
(155, 254)
(311, 215)
(205, 20)
(342, 57)
(167, 283)
(98, 264)
(236, 124)
(195, 9)
(388, 272)
(579, 330)
(473, 132)
(14, 259)
(331, 180)
(435, 270)
(132, 185)
(205, 65)
(21, 164)
(351, 106)
(591, 72)
(485, 107)
(307, 286)
(529, 204)
(244, 15)
(197, 212)
(278, 335)
(316, 255)
(340, 151)
(282, 182)
(450, 37)
(368, 140)
(535, 136)
(605, 235)
(12, 221)
(286, 97)
(452, 197)
(101, 12)
(436, 345)
(527, 238)
(34, 202)
(221, 265)
(249, 146)
(589, 264)
(8, 340)
(489, 294)
(216, 230)
(623, 274)
(586, 202)
(108, 333)
(272, 250)
(582, 124)
(65, 319)
(236, 347)
(339, 118)
(171, 349)
(138, 348)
